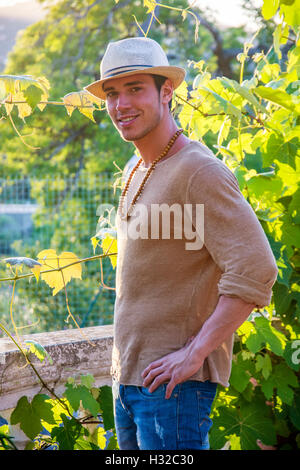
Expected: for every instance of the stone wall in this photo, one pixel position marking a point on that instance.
(74, 352)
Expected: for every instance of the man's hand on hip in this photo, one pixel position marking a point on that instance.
(180, 365)
(174, 368)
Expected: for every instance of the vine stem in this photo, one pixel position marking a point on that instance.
(56, 103)
(11, 308)
(28, 362)
(19, 135)
(91, 258)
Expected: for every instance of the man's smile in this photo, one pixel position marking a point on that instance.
(125, 121)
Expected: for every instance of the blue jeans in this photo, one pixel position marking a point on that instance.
(148, 421)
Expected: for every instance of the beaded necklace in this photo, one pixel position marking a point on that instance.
(150, 169)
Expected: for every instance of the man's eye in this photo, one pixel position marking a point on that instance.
(135, 89)
(111, 94)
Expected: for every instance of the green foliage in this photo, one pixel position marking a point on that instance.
(254, 126)
(247, 422)
(81, 420)
(30, 415)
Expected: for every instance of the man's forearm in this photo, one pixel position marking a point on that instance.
(180, 365)
(227, 317)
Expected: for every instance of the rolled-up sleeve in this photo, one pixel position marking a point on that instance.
(233, 236)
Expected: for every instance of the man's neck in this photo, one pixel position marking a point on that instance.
(153, 144)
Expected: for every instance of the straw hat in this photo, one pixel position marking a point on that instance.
(131, 56)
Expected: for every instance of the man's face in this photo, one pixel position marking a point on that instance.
(133, 104)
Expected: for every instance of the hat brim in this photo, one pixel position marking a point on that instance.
(175, 74)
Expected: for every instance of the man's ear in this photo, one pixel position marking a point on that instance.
(166, 92)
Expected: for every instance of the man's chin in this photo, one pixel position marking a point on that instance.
(130, 137)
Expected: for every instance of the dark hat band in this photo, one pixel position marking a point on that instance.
(125, 68)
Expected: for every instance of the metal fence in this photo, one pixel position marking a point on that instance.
(58, 213)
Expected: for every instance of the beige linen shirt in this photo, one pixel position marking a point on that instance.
(164, 291)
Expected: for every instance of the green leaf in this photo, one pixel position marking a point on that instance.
(282, 298)
(244, 92)
(284, 269)
(294, 412)
(67, 435)
(282, 379)
(291, 12)
(99, 437)
(264, 334)
(228, 107)
(269, 8)
(263, 364)
(19, 83)
(106, 404)
(279, 97)
(113, 442)
(87, 380)
(241, 373)
(293, 60)
(277, 148)
(83, 101)
(268, 73)
(33, 95)
(274, 338)
(29, 415)
(38, 350)
(76, 394)
(287, 2)
(248, 422)
(289, 175)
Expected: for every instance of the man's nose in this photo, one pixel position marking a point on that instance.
(122, 102)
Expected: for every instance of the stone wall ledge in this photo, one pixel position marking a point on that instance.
(74, 352)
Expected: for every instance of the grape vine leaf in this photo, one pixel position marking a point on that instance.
(248, 422)
(282, 378)
(29, 415)
(106, 404)
(38, 350)
(244, 92)
(58, 279)
(109, 245)
(263, 333)
(87, 380)
(99, 437)
(33, 95)
(113, 442)
(83, 101)
(242, 370)
(278, 97)
(269, 8)
(263, 364)
(67, 435)
(294, 412)
(228, 107)
(80, 393)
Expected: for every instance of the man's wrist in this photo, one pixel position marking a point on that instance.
(197, 353)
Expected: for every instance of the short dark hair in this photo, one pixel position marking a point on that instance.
(159, 80)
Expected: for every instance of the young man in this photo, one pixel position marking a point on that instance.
(178, 302)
